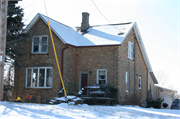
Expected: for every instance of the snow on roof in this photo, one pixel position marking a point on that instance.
(164, 88)
(105, 34)
(96, 35)
(111, 34)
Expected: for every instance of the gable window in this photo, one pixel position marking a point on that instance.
(130, 50)
(140, 82)
(101, 76)
(40, 44)
(127, 82)
(39, 77)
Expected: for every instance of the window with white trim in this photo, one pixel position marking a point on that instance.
(40, 44)
(130, 50)
(101, 76)
(140, 86)
(127, 82)
(39, 77)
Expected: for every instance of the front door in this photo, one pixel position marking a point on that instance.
(84, 81)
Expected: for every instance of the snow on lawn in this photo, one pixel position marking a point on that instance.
(11, 110)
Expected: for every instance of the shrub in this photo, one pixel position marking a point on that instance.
(155, 104)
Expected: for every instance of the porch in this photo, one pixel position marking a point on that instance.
(100, 94)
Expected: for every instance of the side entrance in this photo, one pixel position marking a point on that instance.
(83, 80)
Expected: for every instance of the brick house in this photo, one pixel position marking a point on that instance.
(111, 54)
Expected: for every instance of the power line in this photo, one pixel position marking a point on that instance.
(45, 8)
(100, 12)
(103, 15)
(163, 55)
(162, 44)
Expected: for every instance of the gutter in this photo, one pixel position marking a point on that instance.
(134, 55)
(93, 45)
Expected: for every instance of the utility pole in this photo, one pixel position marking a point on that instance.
(3, 28)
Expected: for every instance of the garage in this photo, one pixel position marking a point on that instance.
(168, 100)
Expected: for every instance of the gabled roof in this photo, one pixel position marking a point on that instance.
(110, 34)
(96, 35)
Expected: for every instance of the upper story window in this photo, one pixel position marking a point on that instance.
(39, 77)
(40, 44)
(127, 82)
(130, 50)
(101, 76)
(140, 86)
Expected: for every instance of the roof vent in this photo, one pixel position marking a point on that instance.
(85, 22)
(120, 33)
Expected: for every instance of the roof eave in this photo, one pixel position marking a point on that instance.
(165, 88)
(141, 44)
(153, 77)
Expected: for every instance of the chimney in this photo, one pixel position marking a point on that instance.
(85, 22)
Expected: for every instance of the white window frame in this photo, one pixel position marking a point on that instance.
(98, 75)
(140, 82)
(38, 68)
(130, 50)
(39, 45)
(127, 83)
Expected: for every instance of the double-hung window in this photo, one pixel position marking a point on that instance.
(101, 76)
(39, 77)
(140, 80)
(127, 82)
(40, 44)
(130, 50)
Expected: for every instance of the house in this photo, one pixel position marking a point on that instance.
(111, 54)
(165, 93)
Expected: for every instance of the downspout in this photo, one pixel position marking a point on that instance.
(134, 67)
(62, 60)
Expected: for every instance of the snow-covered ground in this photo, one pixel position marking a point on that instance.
(10, 110)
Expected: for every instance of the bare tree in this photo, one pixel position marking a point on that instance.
(8, 83)
(177, 96)
(9, 77)
(162, 77)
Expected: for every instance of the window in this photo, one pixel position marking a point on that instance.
(127, 82)
(139, 82)
(40, 45)
(101, 76)
(39, 77)
(130, 50)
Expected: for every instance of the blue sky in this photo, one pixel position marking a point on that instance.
(158, 22)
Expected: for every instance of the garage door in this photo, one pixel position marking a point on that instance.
(168, 100)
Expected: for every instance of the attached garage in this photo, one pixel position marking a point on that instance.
(166, 94)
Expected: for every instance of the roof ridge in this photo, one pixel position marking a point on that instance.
(112, 24)
(54, 20)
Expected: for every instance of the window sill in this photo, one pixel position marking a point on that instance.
(131, 59)
(39, 53)
(43, 88)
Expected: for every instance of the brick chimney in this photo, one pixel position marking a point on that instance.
(85, 22)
